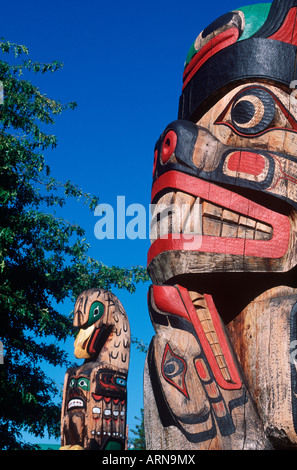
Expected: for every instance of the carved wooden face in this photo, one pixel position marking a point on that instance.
(230, 159)
(95, 407)
(224, 201)
(107, 408)
(191, 367)
(235, 170)
(104, 328)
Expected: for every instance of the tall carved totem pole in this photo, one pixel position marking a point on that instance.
(95, 394)
(220, 371)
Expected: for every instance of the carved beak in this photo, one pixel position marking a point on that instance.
(82, 341)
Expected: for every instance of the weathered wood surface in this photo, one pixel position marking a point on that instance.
(95, 393)
(223, 233)
(264, 338)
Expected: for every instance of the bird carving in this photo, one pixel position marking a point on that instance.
(95, 393)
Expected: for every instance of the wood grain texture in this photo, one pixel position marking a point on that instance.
(262, 338)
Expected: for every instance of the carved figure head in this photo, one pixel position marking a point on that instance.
(104, 328)
(232, 152)
(95, 393)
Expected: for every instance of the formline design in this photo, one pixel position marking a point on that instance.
(219, 373)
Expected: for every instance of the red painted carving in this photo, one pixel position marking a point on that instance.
(215, 45)
(274, 248)
(169, 146)
(179, 371)
(176, 301)
(288, 30)
(246, 162)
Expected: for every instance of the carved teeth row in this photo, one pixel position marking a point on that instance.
(220, 222)
(75, 403)
(210, 333)
(194, 215)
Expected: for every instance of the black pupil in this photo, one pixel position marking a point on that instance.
(243, 112)
(173, 367)
(169, 368)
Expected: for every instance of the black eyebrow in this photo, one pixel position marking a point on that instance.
(86, 301)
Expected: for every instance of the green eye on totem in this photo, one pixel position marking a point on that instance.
(96, 312)
(72, 383)
(84, 384)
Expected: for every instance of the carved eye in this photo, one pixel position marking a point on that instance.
(174, 370)
(120, 381)
(84, 383)
(169, 146)
(255, 110)
(173, 367)
(72, 383)
(96, 312)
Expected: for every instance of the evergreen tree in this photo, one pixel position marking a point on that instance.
(43, 258)
(138, 442)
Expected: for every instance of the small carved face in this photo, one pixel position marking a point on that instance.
(95, 394)
(78, 389)
(186, 398)
(198, 406)
(192, 371)
(108, 405)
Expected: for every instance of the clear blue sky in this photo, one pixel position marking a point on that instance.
(123, 65)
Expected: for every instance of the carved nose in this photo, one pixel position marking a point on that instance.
(184, 146)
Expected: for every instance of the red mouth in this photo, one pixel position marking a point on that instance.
(275, 247)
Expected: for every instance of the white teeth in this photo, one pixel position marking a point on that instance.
(179, 213)
(75, 403)
(107, 412)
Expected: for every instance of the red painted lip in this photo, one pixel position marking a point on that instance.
(273, 249)
(176, 300)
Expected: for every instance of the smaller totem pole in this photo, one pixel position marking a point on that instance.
(95, 395)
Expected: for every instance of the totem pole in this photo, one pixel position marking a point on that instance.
(220, 372)
(95, 394)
